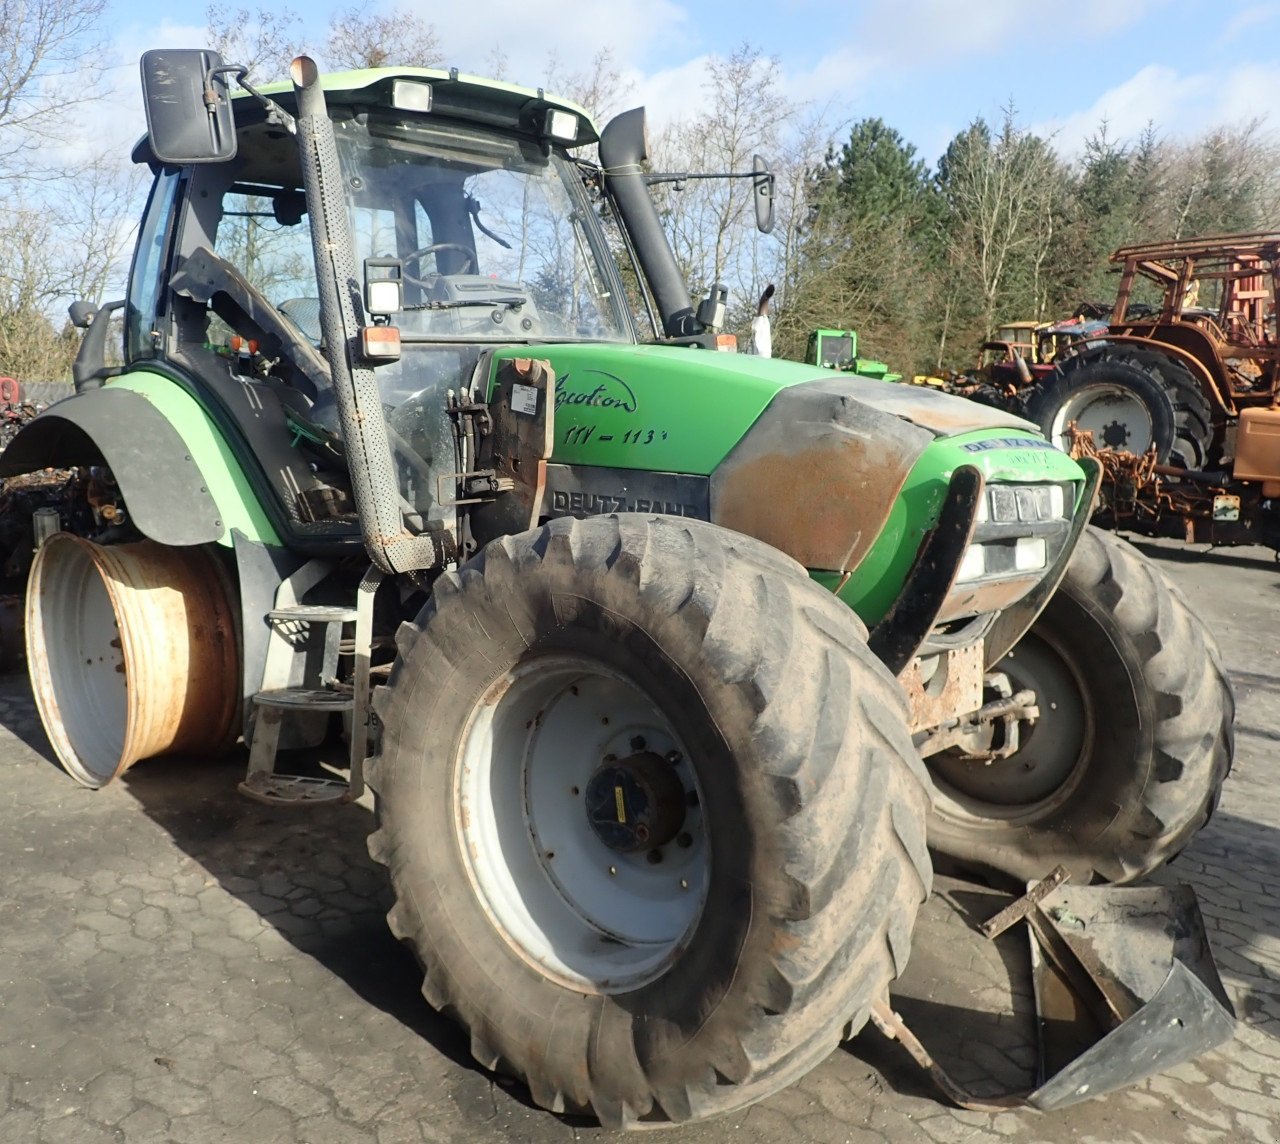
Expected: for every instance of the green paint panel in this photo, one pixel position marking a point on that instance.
(658, 408)
(225, 478)
(876, 582)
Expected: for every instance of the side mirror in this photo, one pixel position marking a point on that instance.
(188, 105)
(81, 313)
(762, 182)
(90, 368)
(711, 311)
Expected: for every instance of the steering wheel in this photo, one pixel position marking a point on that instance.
(432, 249)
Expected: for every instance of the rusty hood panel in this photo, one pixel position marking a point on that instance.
(941, 413)
(819, 471)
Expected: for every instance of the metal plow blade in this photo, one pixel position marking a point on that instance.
(1125, 987)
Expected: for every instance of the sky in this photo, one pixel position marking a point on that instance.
(926, 67)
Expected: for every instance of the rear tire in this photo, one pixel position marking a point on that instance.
(1192, 413)
(1133, 744)
(551, 653)
(1121, 405)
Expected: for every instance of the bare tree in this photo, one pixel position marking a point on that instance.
(361, 38)
(999, 193)
(599, 89)
(48, 50)
(263, 42)
(56, 249)
(710, 222)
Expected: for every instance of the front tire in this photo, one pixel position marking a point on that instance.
(543, 705)
(1133, 743)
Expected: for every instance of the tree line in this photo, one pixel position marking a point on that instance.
(927, 260)
(923, 259)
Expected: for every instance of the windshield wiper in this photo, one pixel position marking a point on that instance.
(511, 301)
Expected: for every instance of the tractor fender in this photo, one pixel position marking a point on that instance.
(1214, 382)
(167, 495)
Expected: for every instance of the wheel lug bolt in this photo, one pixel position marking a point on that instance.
(674, 757)
(637, 743)
(684, 839)
(684, 883)
(654, 857)
(612, 871)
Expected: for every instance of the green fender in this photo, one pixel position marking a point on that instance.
(178, 476)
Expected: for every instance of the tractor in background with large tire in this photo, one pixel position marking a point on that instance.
(683, 658)
(1183, 393)
(1206, 351)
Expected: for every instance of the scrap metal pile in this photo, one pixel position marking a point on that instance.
(60, 491)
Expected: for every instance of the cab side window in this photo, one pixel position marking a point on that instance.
(144, 296)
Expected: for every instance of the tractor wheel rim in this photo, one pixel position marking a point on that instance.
(1049, 763)
(549, 807)
(1115, 415)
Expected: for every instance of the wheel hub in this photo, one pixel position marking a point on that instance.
(636, 803)
(580, 817)
(1115, 435)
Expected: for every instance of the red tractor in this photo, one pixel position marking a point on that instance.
(1180, 373)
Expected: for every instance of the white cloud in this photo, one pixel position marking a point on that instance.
(1177, 105)
(838, 76)
(529, 32)
(916, 32)
(673, 95)
(1252, 17)
(1153, 95)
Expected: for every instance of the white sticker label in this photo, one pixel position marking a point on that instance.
(524, 399)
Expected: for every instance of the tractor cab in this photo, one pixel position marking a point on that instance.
(470, 228)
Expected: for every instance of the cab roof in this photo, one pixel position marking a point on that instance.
(454, 95)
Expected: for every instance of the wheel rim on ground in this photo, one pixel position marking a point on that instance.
(1050, 760)
(1117, 418)
(132, 653)
(579, 819)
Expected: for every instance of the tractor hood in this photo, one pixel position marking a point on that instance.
(682, 409)
(809, 460)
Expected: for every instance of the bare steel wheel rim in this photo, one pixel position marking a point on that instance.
(580, 820)
(1049, 765)
(1114, 414)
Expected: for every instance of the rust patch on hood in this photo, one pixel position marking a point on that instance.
(817, 475)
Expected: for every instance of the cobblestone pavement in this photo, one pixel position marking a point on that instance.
(177, 964)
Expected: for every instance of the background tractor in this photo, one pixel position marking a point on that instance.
(838, 349)
(682, 658)
(1184, 391)
(1208, 349)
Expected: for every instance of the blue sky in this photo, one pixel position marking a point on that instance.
(927, 67)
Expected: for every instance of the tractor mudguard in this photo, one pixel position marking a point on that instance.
(177, 477)
(167, 495)
(1125, 987)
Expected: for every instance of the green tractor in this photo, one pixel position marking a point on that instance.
(838, 349)
(666, 667)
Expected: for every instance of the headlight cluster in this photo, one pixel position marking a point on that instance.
(1019, 529)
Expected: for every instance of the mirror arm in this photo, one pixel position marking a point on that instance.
(682, 176)
(275, 113)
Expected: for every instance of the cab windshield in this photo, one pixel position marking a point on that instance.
(493, 232)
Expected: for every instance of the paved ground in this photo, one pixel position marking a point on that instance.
(177, 964)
